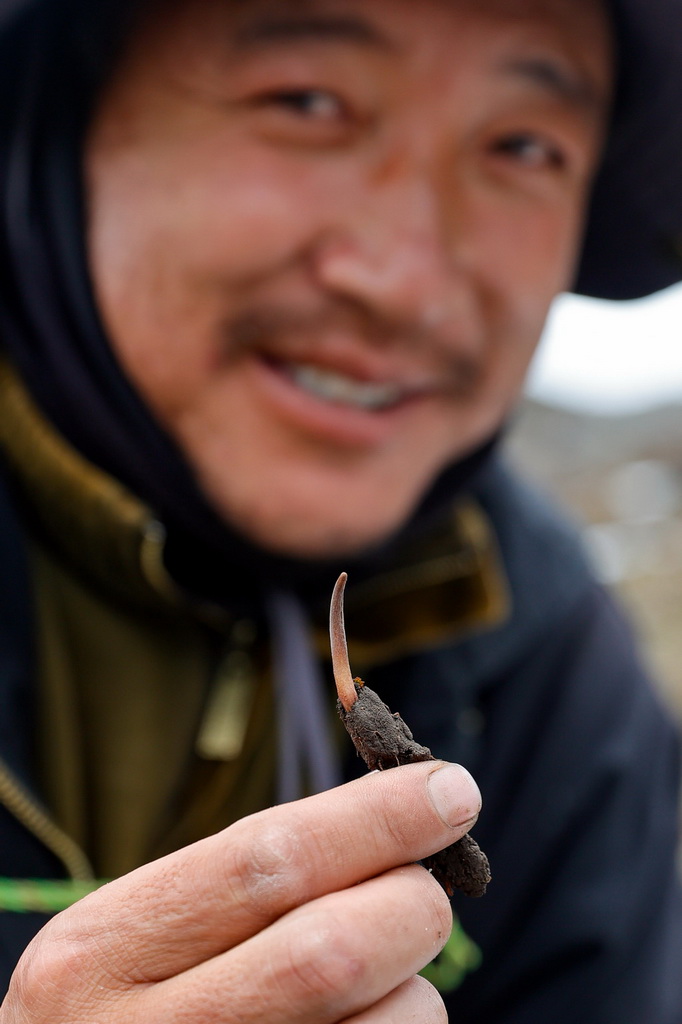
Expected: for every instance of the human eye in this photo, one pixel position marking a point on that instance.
(308, 117)
(307, 103)
(529, 150)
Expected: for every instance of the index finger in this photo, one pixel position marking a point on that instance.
(174, 913)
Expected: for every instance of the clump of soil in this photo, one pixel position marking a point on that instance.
(383, 740)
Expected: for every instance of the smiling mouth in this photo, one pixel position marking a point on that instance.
(340, 389)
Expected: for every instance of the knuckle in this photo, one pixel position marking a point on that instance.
(398, 817)
(324, 963)
(398, 830)
(266, 867)
(50, 967)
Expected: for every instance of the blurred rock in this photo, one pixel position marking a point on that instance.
(621, 478)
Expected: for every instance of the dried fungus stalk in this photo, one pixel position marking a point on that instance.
(384, 741)
(345, 686)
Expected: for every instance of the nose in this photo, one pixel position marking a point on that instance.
(393, 252)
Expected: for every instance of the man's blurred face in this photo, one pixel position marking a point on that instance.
(325, 235)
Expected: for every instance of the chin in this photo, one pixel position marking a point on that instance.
(315, 542)
(307, 537)
(315, 515)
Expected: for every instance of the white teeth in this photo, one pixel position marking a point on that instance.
(335, 387)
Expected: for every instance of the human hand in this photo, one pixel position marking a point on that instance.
(312, 911)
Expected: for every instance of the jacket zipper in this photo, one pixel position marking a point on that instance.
(19, 803)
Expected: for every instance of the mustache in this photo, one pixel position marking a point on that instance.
(278, 327)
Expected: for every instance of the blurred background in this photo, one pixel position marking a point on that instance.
(601, 430)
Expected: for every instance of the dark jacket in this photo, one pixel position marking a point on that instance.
(577, 763)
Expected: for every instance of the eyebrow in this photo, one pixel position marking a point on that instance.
(550, 76)
(269, 30)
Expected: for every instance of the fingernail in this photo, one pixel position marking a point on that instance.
(454, 794)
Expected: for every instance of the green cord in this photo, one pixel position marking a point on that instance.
(43, 895)
(458, 957)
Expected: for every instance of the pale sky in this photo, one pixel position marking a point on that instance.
(611, 357)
